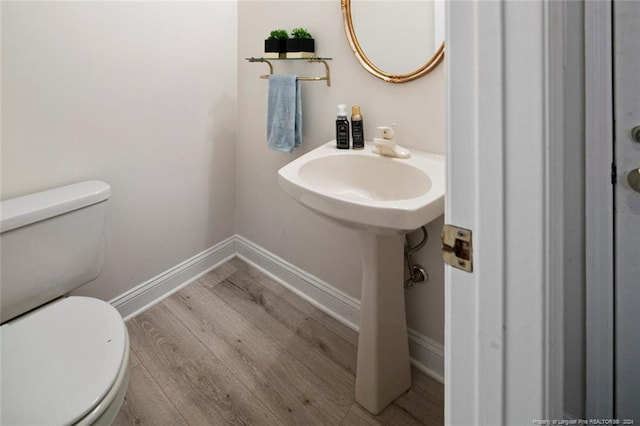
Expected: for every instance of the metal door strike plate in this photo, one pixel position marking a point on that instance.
(457, 248)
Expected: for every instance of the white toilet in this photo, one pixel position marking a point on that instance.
(64, 360)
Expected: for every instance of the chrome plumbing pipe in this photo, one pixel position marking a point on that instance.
(417, 274)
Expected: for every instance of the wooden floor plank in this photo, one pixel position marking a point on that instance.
(357, 416)
(145, 403)
(263, 279)
(133, 359)
(257, 276)
(237, 347)
(266, 317)
(424, 399)
(294, 393)
(245, 294)
(202, 388)
(219, 274)
(391, 416)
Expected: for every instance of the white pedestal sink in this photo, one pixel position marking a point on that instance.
(381, 198)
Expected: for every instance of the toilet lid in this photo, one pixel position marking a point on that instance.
(59, 361)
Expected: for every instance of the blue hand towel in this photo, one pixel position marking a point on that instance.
(284, 113)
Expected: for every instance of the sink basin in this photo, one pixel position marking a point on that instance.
(363, 190)
(382, 198)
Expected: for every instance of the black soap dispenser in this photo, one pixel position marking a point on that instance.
(342, 128)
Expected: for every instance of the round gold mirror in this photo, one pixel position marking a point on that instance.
(397, 36)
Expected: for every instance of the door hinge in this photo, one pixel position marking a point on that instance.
(614, 174)
(457, 247)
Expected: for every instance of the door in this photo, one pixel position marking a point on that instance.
(503, 320)
(627, 208)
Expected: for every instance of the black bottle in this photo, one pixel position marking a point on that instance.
(342, 128)
(356, 128)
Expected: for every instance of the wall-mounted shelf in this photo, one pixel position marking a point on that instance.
(326, 78)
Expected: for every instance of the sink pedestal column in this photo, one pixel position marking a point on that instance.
(384, 370)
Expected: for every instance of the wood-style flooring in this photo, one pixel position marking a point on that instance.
(235, 347)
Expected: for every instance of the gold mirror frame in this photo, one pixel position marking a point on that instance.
(433, 62)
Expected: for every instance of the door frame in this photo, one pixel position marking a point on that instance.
(599, 199)
(504, 321)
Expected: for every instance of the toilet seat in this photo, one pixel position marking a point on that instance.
(60, 362)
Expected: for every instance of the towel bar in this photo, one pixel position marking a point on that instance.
(326, 78)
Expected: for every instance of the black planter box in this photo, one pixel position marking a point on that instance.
(301, 48)
(274, 48)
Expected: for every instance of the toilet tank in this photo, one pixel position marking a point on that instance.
(51, 242)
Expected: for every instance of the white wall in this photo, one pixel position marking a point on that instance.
(266, 215)
(141, 95)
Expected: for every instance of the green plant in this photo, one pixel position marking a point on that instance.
(278, 35)
(300, 33)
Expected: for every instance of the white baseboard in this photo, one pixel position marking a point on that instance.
(426, 354)
(328, 299)
(150, 292)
